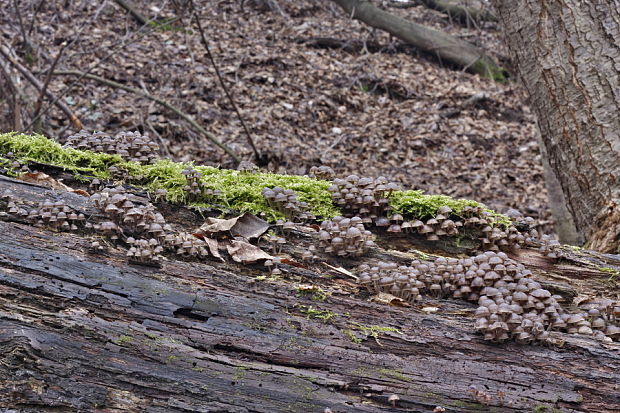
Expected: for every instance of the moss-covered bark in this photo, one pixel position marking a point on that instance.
(240, 191)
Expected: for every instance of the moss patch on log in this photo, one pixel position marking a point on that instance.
(415, 204)
(240, 191)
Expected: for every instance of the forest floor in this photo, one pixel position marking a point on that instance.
(373, 107)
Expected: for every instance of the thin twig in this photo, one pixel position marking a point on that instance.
(17, 122)
(34, 17)
(205, 43)
(162, 102)
(27, 44)
(39, 103)
(90, 69)
(38, 113)
(132, 10)
(6, 53)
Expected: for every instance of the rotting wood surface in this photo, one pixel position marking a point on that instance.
(83, 331)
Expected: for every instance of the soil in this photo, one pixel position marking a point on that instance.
(313, 86)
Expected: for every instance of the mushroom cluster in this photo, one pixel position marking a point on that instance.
(144, 251)
(131, 146)
(367, 198)
(186, 245)
(344, 237)
(474, 221)
(511, 304)
(322, 172)
(8, 162)
(247, 166)
(433, 228)
(146, 230)
(406, 282)
(550, 247)
(195, 187)
(286, 202)
(55, 215)
(133, 220)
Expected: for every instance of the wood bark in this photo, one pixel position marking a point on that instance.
(568, 57)
(445, 47)
(86, 331)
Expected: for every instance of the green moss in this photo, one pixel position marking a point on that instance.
(541, 408)
(312, 312)
(613, 273)
(374, 331)
(315, 293)
(124, 340)
(414, 204)
(467, 405)
(352, 336)
(395, 374)
(37, 148)
(240, 191)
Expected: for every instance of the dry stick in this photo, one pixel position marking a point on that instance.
(165, 104)
(34, 17)
(6, 53)
(17, 122)
(96, 65)
(37, 107)
(27, 43)
(38, 113)
(203, 38)
(132, 10)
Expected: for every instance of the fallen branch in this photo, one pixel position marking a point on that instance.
(447, 48)
(7, 53)
(66, 89)
(162, 102)
(461, 14)
(39, 103)
(205, 43)
(13, 102)
(180, 337)
(132, 10)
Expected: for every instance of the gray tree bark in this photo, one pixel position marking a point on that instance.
(567, 54)
(86, 331)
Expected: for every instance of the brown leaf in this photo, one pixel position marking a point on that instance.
(247, 226)
(389, 299)
(246, 253)
(213, 247)
(40, 178)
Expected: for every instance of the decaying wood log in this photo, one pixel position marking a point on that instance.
(445, 47)
(86, 331)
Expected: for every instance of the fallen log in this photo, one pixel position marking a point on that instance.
(84, 330)
(445, 47)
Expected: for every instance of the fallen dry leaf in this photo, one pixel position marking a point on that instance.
(213, 247)
(248, 226)
(389, 299)
(246, 253)
(40, 178)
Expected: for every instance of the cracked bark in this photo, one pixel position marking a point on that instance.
(567, 55)
(89, 332)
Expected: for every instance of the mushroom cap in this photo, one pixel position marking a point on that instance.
(540, 293)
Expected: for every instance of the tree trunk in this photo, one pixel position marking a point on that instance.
(568, 57)
(86, 331)
(447, 48)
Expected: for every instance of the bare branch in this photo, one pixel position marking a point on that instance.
(133, 11)
(205, 43)
(7, 53)
(162, 102)
(37, 108)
